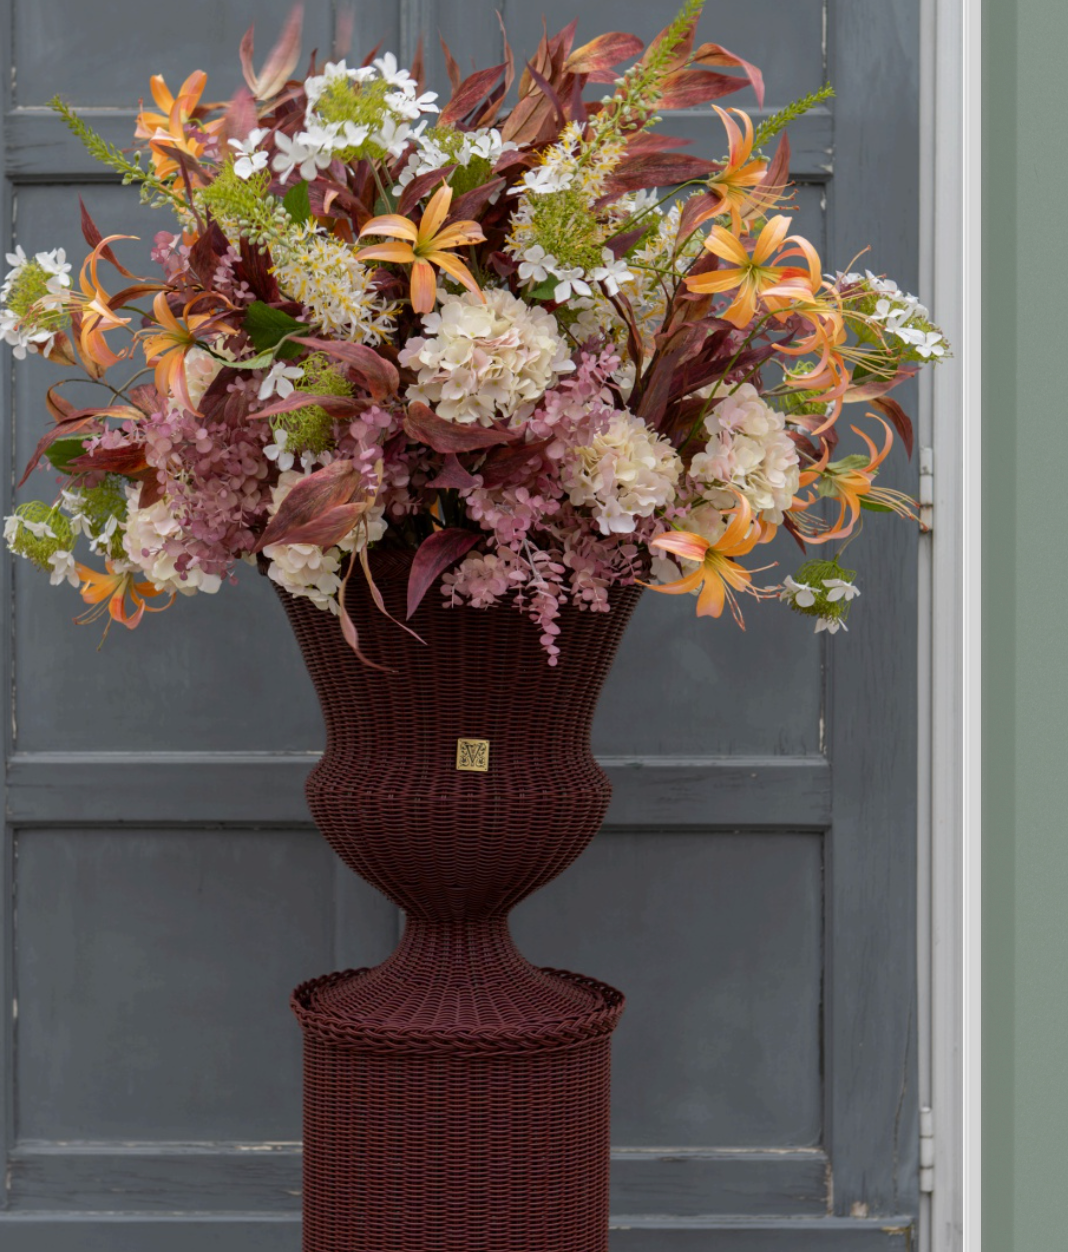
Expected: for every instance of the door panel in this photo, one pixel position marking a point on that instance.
(752, 891)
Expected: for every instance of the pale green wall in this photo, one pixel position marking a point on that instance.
(1025, 627)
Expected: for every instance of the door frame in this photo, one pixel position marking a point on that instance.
(949, 607)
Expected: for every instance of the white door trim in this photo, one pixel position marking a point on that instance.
(948, 670)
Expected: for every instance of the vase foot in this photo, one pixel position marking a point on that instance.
(428, 1129)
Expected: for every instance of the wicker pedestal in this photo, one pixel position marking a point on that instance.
(456, 1096)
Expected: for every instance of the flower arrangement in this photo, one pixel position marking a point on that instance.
(473, 330)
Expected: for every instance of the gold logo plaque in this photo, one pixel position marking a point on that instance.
(472, 754)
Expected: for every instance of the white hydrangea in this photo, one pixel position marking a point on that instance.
(481, 361)
(749, 451)
(430, 154)
(627, 472)
(305, 569)
(201, 370)
(153, 540)
(335, 289)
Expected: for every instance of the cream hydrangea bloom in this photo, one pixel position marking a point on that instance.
(749, 451)
(305, 569)
(627, 472)
(481, 361)
(153, 542)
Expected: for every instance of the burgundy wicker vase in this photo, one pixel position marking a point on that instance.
(456, 1097)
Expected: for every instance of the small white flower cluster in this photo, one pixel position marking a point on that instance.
(304, 569)
(565, 164)
(153, 542)
(485, 360)
(484, 144)
(803, 596)
(17, 328)
(627, 472)
(896, 309)
(335, 289)
(313, 148)
(64, 566)
(73, 505)
(749, 452)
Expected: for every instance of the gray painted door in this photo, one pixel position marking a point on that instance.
(752, 891)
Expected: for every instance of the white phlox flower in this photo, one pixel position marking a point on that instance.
(797, 593)
(300, 154)
(839, 589)
(612, 272)
(250, 158)
(832, 625)
(64, 569)
(572, 282)
(277, 451)
(279, 381)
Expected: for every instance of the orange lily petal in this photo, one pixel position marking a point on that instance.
(456, 234)
(424, 287)
(454, 266)
(393, 225)
(683, 543)
(399, 252)
(710, 601)
(437, 210)
(724, 245)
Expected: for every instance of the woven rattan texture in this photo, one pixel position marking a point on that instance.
(456, 1096)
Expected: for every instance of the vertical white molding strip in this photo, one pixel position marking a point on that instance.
(945, 613)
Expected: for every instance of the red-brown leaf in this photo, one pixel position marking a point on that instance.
(715, 54)
(470, 205)
(335, 484)
(453, 474)
(421, 186)
(899, 419)
(601, 54)
(433, 557)
(375, 373)
(94, 238)
(451, 68)
(336, 406)
(658, 170)
(329, 528)
(504, 465)
(127, 460)
(687, 89)
(471, 92)
(424, 426)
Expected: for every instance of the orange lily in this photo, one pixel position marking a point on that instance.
(718, 575)
(96, 316)
(737, 183)
(849, 484)
(167, 129)
(423, 246)
(107, 592)
(754, 276)
(166, 347)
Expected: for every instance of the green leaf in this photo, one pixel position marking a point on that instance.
(63, 451)
(267, 327)
(856, 460)
(259, 362)
(872, 507)
(545, 290)
(297, 203)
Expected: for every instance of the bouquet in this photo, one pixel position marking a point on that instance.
(477, 329)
